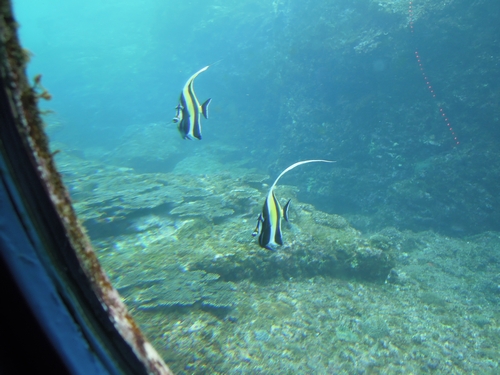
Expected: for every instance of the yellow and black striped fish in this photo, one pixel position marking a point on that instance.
(269, 221)
(189, 110)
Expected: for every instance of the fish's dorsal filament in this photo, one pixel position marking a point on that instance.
(296, 165)
(199, 72)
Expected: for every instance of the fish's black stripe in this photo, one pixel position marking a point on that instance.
(184, 125)
(196, 124)
(265, 234)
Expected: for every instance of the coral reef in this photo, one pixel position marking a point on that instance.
(210, 209)
(169, 286)
(330, 300)
(430, 318)
(104, 193)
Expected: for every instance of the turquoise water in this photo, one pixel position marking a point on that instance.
(391, 257)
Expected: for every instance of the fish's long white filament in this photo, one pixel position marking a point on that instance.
(195, 75)
(296, 165)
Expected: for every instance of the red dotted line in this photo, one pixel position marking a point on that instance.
(426, 79)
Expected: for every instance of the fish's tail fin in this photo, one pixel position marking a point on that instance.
(204, 107)
(285, 209)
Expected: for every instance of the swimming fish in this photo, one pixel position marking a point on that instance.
(269, 221)
(189, 110)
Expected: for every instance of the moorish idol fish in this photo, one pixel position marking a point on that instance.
(269, 221)
(189, 110)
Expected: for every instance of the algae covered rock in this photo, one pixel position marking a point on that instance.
(170, 286)
(316, 243)
(104, 194)
(205, 218)
(209, 208)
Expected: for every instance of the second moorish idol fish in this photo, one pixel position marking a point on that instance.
(269, 221)
(189, 110)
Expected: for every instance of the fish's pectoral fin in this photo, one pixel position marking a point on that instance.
(204, 108)
(285, 209)
(257, 227)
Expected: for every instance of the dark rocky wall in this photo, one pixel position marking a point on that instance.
(362, 101)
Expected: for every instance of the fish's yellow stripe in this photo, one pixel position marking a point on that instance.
(273, 224)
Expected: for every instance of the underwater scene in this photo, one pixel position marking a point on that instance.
(285, 186)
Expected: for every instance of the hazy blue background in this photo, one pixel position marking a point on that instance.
(112, 64)
(298, 80)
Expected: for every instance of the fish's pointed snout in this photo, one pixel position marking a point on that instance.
(175, 120)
